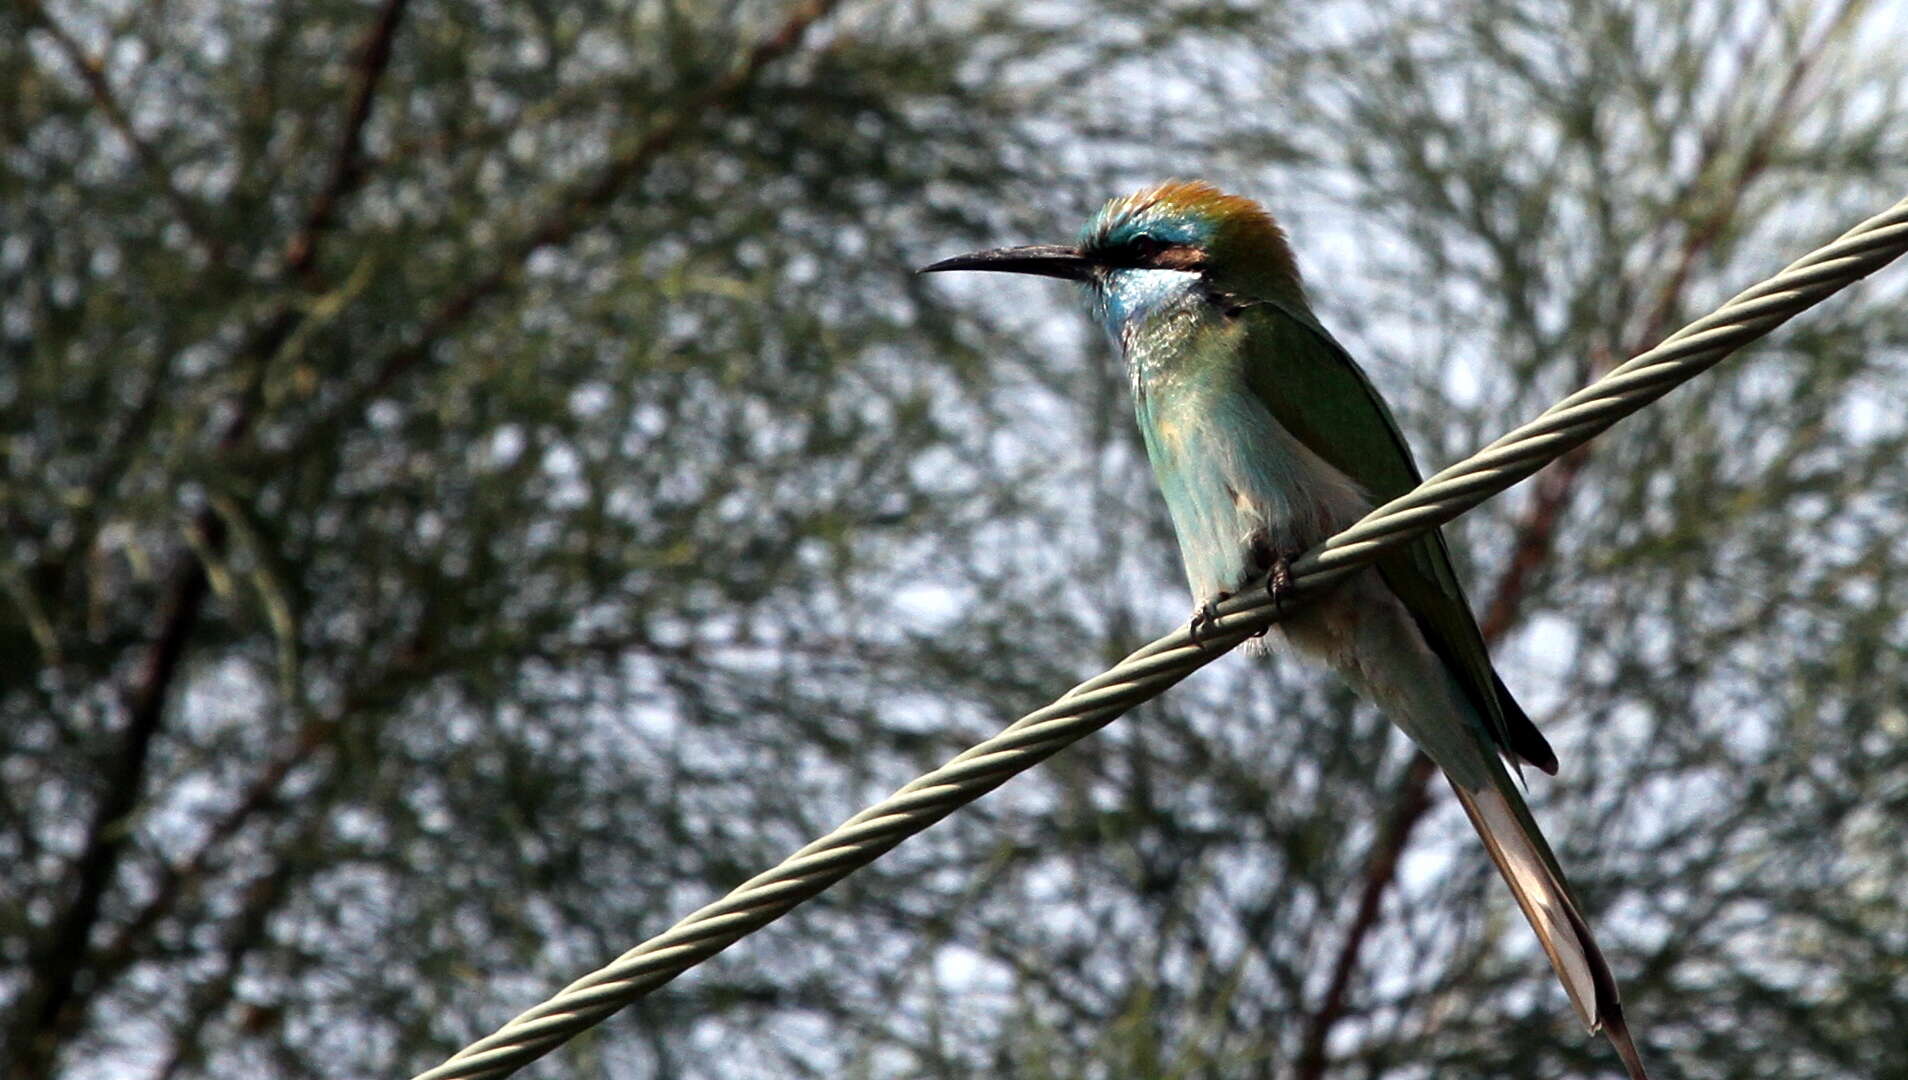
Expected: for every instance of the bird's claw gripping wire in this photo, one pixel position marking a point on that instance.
(1204, 616)
(1278, 582)
(1277, 566)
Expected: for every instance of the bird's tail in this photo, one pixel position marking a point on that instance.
(1367, 634)
(1511, 835)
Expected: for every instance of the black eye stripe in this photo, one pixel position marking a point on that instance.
(1145, 251)
(1148, 252)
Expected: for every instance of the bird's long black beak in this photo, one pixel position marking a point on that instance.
(1047, 260)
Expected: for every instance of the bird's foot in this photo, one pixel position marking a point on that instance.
(1278, 582)
(1204, 616)
(1277, 567)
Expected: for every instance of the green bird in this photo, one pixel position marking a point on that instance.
(1266, 438)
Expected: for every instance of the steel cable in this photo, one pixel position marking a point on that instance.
(1158, 665)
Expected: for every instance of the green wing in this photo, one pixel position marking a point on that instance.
(1318, 393)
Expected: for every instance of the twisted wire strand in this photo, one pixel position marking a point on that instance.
(1158, 665)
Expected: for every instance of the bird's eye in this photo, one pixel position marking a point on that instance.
(1145, 246)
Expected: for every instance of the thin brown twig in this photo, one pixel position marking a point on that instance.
(1408, 805)
(571, 212)
(215, 993)
(93, 72)
(178, 880)
(46, 1008)
(347, 162)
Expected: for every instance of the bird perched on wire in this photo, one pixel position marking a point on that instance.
(1266, 438)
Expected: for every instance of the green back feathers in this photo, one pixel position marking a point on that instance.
(1317, 392)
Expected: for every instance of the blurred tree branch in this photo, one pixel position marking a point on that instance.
(568, 214)
(43, 1013)
(92, 70)
(347, 162)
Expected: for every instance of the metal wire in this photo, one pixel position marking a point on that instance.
(1150, 670)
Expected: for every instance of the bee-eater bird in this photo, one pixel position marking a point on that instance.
(1266, 438)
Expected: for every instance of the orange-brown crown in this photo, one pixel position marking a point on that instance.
(1246, 251)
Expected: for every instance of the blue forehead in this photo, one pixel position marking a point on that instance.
(1118, 224)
